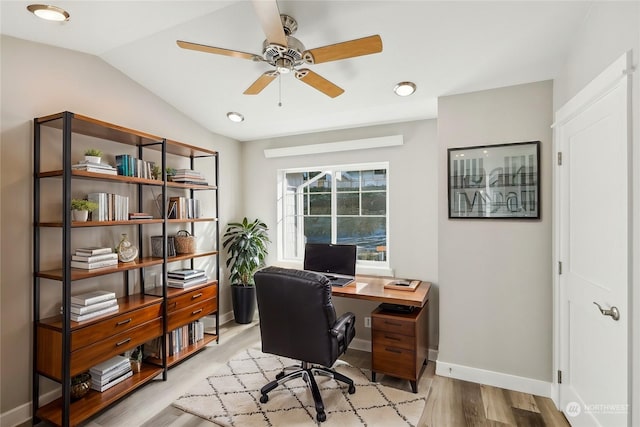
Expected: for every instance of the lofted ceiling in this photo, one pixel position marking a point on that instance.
(445, 47)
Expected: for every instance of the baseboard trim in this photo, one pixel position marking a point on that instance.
(22, 413)
(495, 379)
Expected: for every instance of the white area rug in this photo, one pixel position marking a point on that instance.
(231, 397)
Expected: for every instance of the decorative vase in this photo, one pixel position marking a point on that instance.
(243, 299)
(80, 216)
(126, 251)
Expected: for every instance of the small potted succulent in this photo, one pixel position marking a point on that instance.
(81, 208)
(170, 173)
(93, 155)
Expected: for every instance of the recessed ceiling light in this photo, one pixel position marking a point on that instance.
(50, 13)
(235, 117)
(404, 88)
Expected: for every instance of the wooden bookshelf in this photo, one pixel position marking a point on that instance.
(63, 348)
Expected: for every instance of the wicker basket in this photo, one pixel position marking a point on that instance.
(185, 243)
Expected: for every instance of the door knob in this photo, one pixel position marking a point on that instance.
(613, 311)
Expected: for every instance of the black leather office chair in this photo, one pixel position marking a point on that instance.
(298, 320)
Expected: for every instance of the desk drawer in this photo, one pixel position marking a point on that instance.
(191, 313)
(192, 297)
(390, 339)
(395, 361)
(114, 325)
(393, 323)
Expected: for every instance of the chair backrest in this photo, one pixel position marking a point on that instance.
(296, 315)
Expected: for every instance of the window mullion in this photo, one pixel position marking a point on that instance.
(334, 207)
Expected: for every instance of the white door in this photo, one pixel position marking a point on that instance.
(593, 213)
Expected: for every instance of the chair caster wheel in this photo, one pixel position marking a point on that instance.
(352, 389)
(321, 417)
(264, 398)
(280, 375)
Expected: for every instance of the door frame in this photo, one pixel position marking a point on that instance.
(622, 68)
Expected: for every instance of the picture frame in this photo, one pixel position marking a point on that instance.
(500, 181)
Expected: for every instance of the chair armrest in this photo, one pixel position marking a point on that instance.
(344, 330)
(342, 323)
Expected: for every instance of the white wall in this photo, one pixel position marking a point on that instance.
(495, 275)
(412, 192)
(38, 80)
(610, 30)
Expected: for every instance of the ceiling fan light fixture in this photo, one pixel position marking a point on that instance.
(48, 12)
(405, 88)
(283, 65)
(235, 117)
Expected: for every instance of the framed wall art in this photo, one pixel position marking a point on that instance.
(495, 181)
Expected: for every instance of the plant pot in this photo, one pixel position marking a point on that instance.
(243, 299)
(80, 216)
(93, 159)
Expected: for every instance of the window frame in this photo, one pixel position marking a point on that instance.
(362, 266)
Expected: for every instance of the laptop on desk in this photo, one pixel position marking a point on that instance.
(336, 262)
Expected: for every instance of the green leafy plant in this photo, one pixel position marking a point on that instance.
(155, 172)
(170, 171)
(246, 243)
(93, 152)
(83, 205)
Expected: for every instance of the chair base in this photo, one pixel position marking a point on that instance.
(307, 371)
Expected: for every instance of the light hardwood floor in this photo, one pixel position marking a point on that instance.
(450, 402)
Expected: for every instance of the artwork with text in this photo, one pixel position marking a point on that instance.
(495, 181)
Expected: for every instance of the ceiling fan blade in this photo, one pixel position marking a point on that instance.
(269, 17)
(318, 82)
(344, 50)
(217, 50)
(262, 82)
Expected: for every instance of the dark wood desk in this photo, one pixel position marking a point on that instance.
(399, 341)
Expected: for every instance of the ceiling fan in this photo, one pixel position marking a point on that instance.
(286, 53)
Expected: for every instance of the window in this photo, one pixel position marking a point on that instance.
(337, 204)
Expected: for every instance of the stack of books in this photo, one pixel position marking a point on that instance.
(109, 373)
(84, 165)
(94, 257)
(189, 176)
(92, 304)
(184, 278)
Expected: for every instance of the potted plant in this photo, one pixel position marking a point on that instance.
(93, 155)
(81, 208)
(246, 244)
(135, 359)
(170, 173)
(155, 172)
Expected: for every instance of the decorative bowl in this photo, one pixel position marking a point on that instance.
(80, 385)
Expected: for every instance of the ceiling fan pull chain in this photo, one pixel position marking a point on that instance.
(279, 90)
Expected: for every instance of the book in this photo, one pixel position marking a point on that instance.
(92, 265)
(93, 297)
(140, 215)
(185, 273)
(102, 379)
(85, 163)
(94, 258)
(112, 383)
(96, 170)
(175, 283)
(93, 250)
(109, 365)
(87, 316)
(84, 309)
